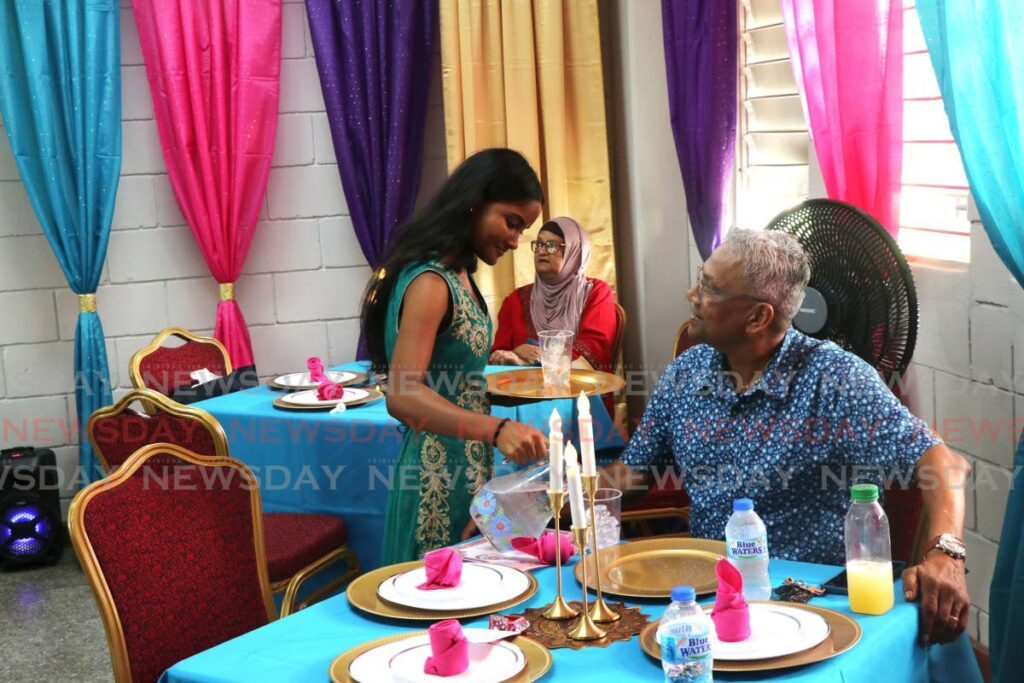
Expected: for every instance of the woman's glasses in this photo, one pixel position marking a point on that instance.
(549, 247)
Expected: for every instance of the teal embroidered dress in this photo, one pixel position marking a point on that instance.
(429, 510)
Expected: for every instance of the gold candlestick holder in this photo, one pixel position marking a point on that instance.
(601, 613)
(585, 629)
(559, 610)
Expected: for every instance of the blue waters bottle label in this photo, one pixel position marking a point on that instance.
(748, 548)
(686, 654)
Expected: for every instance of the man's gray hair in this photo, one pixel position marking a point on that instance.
(774, 267)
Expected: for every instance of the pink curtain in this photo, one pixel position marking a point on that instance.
(214, 68)
(848, 61)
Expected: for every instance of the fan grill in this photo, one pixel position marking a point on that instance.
(864, 278)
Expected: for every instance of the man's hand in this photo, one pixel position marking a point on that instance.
(945, 605)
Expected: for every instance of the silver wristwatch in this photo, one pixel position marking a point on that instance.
(952, 546)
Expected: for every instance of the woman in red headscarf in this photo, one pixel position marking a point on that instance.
(562, 297)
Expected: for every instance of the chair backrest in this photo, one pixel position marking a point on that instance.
(683, 340)
(905, 509)
(165, 368)
(116, 431)
(174, 555)
(620, 333)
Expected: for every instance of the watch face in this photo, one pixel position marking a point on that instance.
(952, 544)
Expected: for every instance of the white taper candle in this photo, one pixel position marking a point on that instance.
(579, 514)
(570, 455)
(555, 452)
(586, 425)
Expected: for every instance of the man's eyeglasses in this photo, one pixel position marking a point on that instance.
(705, 288)
(549, 247)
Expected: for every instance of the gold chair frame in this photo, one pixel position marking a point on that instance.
(135, 366)
(91, 565)
(152, 401)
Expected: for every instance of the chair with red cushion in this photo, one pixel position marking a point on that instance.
(175, 569)
(298, 545)
(166, 368)
(117, 431)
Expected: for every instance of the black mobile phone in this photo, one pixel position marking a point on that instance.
(837, 584)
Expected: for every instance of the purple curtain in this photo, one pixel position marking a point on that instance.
(374, 60)
(700, 61)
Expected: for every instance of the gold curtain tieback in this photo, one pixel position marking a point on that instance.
(87, 303)
(227, 291)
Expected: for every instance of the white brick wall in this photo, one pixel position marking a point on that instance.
(972, 343)
(300, 286)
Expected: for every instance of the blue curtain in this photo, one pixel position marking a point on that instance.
(977, 50)
(60, 97)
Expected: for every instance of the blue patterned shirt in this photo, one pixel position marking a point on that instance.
(819, 420)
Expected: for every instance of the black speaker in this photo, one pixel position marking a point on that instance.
(30, 526)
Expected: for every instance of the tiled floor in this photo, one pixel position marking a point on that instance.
(50, 628)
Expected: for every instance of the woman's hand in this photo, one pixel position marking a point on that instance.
(521, 443)
(529, 353)
(503, 357)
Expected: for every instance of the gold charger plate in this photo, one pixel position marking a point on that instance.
(538, 658)
(649, 569)
(844, 633)
(362, 594)
(360, 378)
(529, 384)
(372, 396)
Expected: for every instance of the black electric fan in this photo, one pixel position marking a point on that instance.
(861, 294)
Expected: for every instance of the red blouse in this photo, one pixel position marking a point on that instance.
(594, 339)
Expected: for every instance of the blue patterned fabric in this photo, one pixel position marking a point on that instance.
(819, 420)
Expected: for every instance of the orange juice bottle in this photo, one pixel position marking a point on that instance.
(868, 553)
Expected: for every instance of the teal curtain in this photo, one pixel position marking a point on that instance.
(977, 51)
(60, 97)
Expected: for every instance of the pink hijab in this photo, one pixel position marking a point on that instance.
(557, 302)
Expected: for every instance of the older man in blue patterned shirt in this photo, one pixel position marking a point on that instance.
(760, 410)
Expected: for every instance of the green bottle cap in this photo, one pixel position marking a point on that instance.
(868, 492)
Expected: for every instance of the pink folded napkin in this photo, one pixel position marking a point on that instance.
(444, 569)
(545, 547)
(316, 369)
(731, 613)
(329, 391)
(449, 649)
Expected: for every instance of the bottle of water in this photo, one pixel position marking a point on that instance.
(868, 553)
(684, 635)
(747, 546)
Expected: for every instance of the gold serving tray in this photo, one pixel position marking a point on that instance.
(373, 395)
(362, 594)
(649, 569)
(360, 378)
(529, 384)
(538, 658)
(844, 633)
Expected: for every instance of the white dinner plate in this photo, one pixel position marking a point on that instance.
(775, 630)
(403, 662)
(480, 585)
(310, 398)
(302, 380)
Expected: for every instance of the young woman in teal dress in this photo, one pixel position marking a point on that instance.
(427, 326)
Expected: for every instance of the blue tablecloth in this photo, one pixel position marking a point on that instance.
(343, 464)
(300, 648)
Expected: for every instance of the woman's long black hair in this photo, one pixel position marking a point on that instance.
(444, 229)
